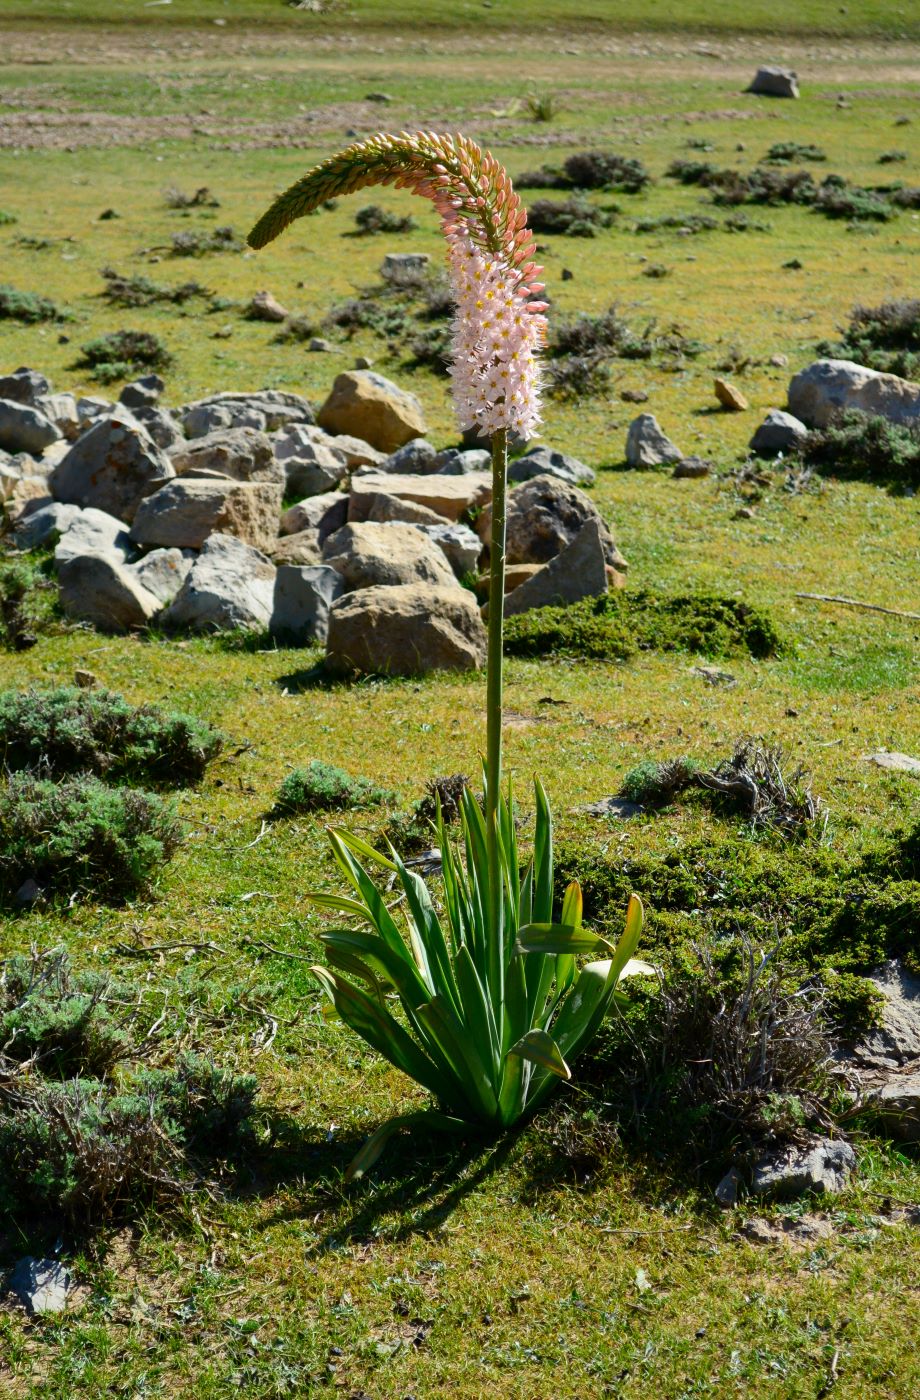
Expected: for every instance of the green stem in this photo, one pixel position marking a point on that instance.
(494, 708)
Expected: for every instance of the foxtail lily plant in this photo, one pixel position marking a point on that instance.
(495, 998)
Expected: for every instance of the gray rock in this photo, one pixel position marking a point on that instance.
(265, 306)
(416, 456)
(90, 408)
(162, 426)
(43, 1285)
(779, 432)
(544, 517)
(325, 514)
(726, 1193)
(266, 410)
(94, 532)
(113, 467)
(381, 507)
(453, 462)
(826, 386)
(184, 512)
(616, 807)
(310, 462)
(407, 630)
(230, 587)
(475, 437)
(303, 598)
(404, 269)
(25, 429)
(24, 386)
(545, 461)
(771, 81)
(460, 545)
(43, 525)
(99, 589)
(692, 468)
(61, 410)
(448, 496)
(368, 555)
(163, 571)
(143, 392)
(897, 1106)
(894, 762)
(648, 446)
(579, 571)
(822, 1165)
(897, 1040)
(243, 454)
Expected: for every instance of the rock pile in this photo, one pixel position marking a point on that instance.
(176, 516)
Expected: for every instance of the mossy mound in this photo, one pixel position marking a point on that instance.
(617, 625)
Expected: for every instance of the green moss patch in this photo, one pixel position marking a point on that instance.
(617, 625)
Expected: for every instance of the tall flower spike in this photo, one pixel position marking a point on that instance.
(499, 326)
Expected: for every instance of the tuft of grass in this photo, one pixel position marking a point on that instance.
(617, 625)
(197, 243)
(541, 106)
(373, 219)
(63, 1020)
(322, 787)
(414, 830)
(66, 731)
(27, 307)
(201, 198)
(28, 600)
(122, 354)
(81, 837)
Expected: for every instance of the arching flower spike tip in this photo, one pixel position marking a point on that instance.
(499, 326)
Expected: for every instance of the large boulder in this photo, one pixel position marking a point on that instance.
(185, 512)
(418, 455)
(230, 587)
(367, 555)
(100, 589)
(456, 461)
(823, 1165)
(61, 410)
(779, 432)
(244, 454)
(827, 386)
(383, 507)
(356, 451)
(648, 446)
(370, 407)
(163, 571)
(25, 429)
(324, 513)
(94, 532)
(265, 409)
(312, 465)
(544, 517)
(406, 630)
(162, 425)
(580, 571)
(302, 602)
(448, 496)
(546, 461)
(142, 393)
(112, 467)
(897, 1106)
(773, 81)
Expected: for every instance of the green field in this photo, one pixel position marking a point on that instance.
(479, 1269)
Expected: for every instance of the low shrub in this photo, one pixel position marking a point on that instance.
(884, 337)
(617, 625)
(323, 787)
(62, 1019)
(865, 447)
(604, 170)
(201, 198)
(785, 152)
(123, 354)
(27, 307)
(373, 219)
(7, 218)
(852, 203)
(297, 329)
(577, 377)
(94, 1150)
(197, 243)
(81, 837)
(575, 217)
(414, 830)
(130, 291)
(66, 731)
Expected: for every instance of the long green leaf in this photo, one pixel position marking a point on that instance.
(539, 1047)
(559, 938)
(456, 1045)
(371, 1150)
(399, 973)
(478, 1012)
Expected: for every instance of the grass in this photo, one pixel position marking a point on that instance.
(478, 1267)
